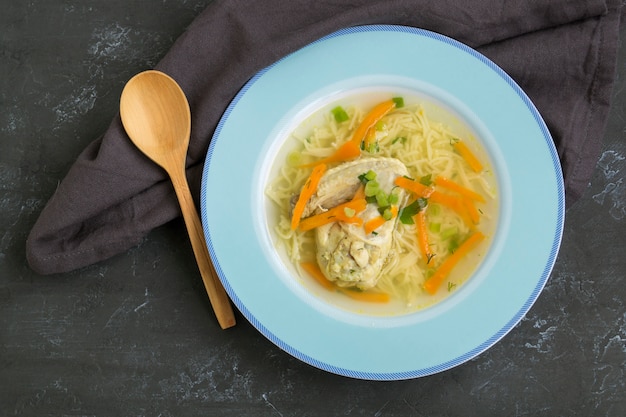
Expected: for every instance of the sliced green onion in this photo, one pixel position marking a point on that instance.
(350, 212)
(380, 126)
(434, 227)
(340, 114)
(373, 147)
(381, 198)
(449, 232)
(399, 102)
(294, 159)
(434, 210)
(371, 188)
(387, 214)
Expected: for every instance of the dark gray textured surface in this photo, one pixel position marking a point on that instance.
(135, 335)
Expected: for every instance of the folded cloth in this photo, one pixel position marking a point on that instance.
(562, 53)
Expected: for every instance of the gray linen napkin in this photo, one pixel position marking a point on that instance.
(561, 52)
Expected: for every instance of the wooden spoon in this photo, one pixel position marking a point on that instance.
(156, 116)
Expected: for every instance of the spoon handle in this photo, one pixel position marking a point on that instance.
(217, 295)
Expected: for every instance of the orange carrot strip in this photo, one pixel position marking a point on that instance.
(472, 211)
(422, 236)
(314, 270)
(378, 221)
(378, 112)
(453, 186)
(467, 211)
(369, 296)
(453, 203)
(434, 282)
(352, 148)
(360, 193)
(370, 138)
(374, 224)
(420, 189)
(337, 213)
(308, 189)
(346, 152)
(469, 156)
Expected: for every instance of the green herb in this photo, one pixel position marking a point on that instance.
(427, 180)
(340, 114)
(380, 126)
(407, 213)
(454, 244)
(401, 139)
(451, 286)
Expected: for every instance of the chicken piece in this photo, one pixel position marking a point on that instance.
(345, 254)
(339, 184)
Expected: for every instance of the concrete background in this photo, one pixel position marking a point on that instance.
(135, 335)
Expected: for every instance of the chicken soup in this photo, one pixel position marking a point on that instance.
(383, 203)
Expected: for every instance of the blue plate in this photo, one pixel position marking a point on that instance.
(237, 216)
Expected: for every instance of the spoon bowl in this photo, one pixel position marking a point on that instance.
(156, 116)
